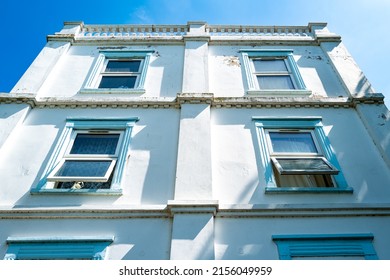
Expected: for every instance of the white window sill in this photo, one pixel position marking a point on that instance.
(271, 190)
(78, 192)
(280, 93)
(112, 90)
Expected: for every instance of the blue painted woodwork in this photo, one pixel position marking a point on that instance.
(80, 123)
(325, 245)
(310, 122)
(76, 248)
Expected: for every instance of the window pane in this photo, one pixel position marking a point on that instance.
(304, 164)
(118, 82)
(123, 66)
(86, 185)
(290, 142)
(273, 65)
(275, 82)
(84, 168)
(96, 144)
(303, 181)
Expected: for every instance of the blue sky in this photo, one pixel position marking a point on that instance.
(363, 24)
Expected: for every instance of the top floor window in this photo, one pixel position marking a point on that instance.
(272, 72)
(118, 72)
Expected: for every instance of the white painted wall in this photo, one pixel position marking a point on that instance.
(164, 76)
(149, 175)
(134, 239)
(193, 171)
(244, 239)
(227, 75)
(41, 68)
(196, 70)
(11, 117)
(238, 176)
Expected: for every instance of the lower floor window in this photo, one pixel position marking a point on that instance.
(74, 248)
(326, 246)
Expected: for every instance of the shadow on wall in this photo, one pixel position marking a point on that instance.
(243, 239)
(193, 237)
(318, 70)
(167, 69)
(145, 239)
(153, 152)
(365, 172)
(151, 177)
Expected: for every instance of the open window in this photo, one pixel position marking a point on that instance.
(89, 157)
(297, 155)
(89, 160)
(297, 159)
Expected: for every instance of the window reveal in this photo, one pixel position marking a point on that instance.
(297, 160)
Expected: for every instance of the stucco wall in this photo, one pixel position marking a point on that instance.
(241, 239)
(238, 176)
(164, 74)
(134, 239)
(149, 174)
(227, 74)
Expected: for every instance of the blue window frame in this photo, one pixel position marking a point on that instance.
(74, 248)
(298, 146)
(272, 72)
(320, 246)
(89, 157)
(118, 72)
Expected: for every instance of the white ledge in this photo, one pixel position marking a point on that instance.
(248, 101)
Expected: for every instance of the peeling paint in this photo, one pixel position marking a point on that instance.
(232, 61)
(315, 57)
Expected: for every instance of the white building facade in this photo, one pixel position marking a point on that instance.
(194, 141)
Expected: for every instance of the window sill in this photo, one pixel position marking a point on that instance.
(112, 91)
(77, 192)
(282, 93)
(271, 190)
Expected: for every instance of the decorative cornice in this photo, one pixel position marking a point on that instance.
(80, 33)
(182, 30)
(111, 212)
(192, 207)
(302, 210)
(61, 37)
(195, 98)
(198, 207)
(189, 98)
(133, 30)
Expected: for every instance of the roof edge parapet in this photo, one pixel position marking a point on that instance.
(199, 28)
(77, 30)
